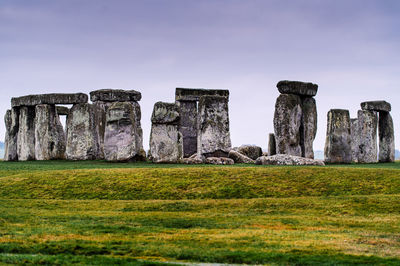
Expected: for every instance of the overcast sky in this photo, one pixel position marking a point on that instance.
(350, 48)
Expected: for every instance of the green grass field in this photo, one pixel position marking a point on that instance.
(144, 214)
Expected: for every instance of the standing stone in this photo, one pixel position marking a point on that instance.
(188, 126)
(308, 127)
(338, 137)
(139, 131)
(287, 122)
(49, 134)
(12, 125)
(82, 133)
(213, 138)
(166, 145)
(120, 140)
(271, 144)
(26, 134)
(386, 138)
(355, 140)
(367, 130)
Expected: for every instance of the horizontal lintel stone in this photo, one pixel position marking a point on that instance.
(297, 87)
(51, 98)
(115, 95)
(379, 106)
(186, 94)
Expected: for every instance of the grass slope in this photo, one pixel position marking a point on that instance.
(197, 183)
(97, 213)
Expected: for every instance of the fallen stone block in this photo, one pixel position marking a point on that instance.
(237, 157)
(284, 159)
(251, 151)
(219, 161)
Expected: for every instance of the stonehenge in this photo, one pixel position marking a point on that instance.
(338, 137)
(194, 129)
(295, 119)
(188, 101)
(373, 118)
(166, 144)
(34, 130)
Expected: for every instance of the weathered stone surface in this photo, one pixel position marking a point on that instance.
(355, 140)
(237, 157)
(308, 129)
(386, 138)
(213, 127)
(367, 130)
(62, 110)
(165, 113)
(251, 151)
(287, 122)
(11, 120)
(50, 140)
(379, 106)
(195, 160)
(188, 126)
(139, 132)
(297, 87)
(184, 94)
(338, 137)
(82, 135)
(284, 159)
(219, 161)
(120, 133)
(26, 134)
(51, 98)
(271, 144)
(115, 95)
(165, 144)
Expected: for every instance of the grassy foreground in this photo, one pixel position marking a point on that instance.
(56, 213)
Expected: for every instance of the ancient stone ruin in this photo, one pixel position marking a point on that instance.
(166, 144)
(34, 130)
(204, 122)
(338, 137)
(295, 119)
(355, 140)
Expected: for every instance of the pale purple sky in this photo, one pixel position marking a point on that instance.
(350, 48)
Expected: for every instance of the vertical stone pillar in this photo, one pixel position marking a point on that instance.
(49, 134)
(295, 118)
(271, 145)
(367, 130)
(213, 136)
(287, 122)
(338, 137)
(308, 126)
(11, 119)
(26, 134)
(355, 139)
(120, 139)
(82, 133)
(386, 138)
(166, 145)
(188, 126)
